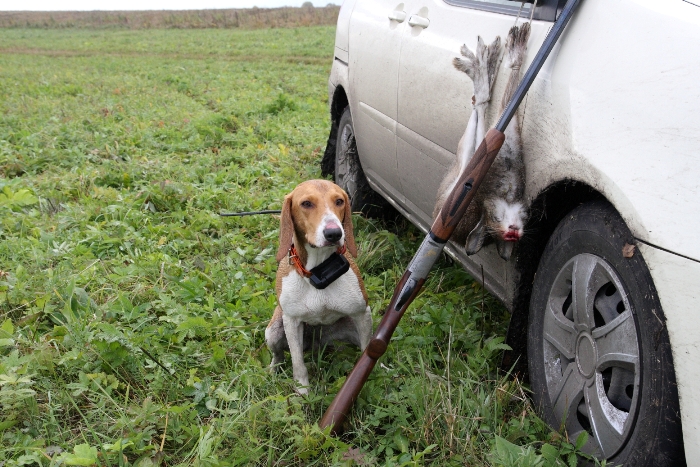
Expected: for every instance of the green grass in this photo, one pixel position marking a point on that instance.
(132, 316)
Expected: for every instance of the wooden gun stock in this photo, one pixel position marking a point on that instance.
(463, 192)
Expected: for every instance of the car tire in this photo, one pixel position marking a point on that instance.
(599, 355)
(348, 173)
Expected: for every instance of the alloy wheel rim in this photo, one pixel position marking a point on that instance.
(591, 354)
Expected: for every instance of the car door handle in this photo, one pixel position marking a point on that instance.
(398, 16)
(419, 21)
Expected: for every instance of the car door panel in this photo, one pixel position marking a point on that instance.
(422, 156)
(434, 151)
(378, 135)
(375, 45)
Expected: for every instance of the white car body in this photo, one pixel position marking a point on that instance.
(615, 107)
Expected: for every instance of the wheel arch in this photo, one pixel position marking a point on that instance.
(548, 208)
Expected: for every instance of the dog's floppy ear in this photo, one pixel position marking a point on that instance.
(286, 229)
(347, 227)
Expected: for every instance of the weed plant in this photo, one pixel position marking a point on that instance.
(132, 316)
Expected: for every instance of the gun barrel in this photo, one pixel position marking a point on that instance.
(537, 62)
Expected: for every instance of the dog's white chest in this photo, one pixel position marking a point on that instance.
(299, 299)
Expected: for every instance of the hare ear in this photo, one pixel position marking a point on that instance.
(505, 249)
(476, 237)
(286, 229)
(347, 227)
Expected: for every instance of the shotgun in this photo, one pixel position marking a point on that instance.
(429, 251)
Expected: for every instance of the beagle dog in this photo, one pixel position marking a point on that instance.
(316, 224)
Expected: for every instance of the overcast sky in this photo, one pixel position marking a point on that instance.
(71, 5)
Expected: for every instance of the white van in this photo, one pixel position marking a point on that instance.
(604, 286)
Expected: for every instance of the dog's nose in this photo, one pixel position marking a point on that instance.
(333, 233)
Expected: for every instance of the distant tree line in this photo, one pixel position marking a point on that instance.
(252, 18)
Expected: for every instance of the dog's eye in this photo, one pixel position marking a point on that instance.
(307, 204)
(339, 202)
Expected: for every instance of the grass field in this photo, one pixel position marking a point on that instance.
(132, 315)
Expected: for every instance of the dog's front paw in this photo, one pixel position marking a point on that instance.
(302, 390)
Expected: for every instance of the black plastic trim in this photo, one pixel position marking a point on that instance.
(546, 10)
